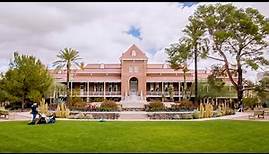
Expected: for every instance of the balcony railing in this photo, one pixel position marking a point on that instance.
(108, 93)
(159, 93)
(98, 93)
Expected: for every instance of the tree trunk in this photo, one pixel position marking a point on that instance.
(22, 104)
(196, 75)
(67, 81)
(240, 86)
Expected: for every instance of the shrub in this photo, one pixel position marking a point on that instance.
(108, 105)
(52, 106)
(250, 102)
(76, 103)
(156, 106)
(196, 114)
(184, 105)
(98, 99)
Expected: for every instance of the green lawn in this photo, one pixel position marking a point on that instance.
(117, 136)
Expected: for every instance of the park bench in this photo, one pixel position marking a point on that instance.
(3, 112)
(257, 113)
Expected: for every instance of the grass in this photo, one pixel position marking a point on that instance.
(151, 136)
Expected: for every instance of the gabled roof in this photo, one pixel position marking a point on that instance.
(134, 53)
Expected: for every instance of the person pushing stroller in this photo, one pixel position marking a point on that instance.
(42, 118)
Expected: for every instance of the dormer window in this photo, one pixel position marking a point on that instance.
(133, 53)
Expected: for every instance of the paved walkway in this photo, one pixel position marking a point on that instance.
(134, 116)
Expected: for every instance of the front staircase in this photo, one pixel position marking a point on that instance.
(133, 103)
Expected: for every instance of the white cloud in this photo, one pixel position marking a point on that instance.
(97, 30)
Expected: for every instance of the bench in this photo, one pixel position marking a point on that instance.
(258, 113)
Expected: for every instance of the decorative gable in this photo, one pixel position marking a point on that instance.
(133, 53)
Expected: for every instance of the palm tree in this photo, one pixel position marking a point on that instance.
(67, 58)
(185, 69)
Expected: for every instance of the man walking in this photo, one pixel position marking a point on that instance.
(34, 111)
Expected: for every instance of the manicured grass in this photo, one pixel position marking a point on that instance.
(117, 136)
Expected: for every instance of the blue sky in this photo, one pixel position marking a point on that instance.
(135, 32)
(187, 4)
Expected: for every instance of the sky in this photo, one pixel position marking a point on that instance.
(101, 32)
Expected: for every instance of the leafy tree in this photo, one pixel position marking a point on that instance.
(55, 90)
(67, 58)
(235, 37)
(262, 90)
(179, 53)
(26, 80)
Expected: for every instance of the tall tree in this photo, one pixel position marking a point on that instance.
(67, 58)
(235, 37)
(187, 49)
(177, 57)
(26, 80)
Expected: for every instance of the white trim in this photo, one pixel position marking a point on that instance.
(168, 81)
(94, 81)
(134, 59)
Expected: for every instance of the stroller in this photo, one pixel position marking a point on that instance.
(43, 119)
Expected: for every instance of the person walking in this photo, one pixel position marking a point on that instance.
(34, 111)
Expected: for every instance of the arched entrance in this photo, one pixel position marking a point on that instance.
(133, 84)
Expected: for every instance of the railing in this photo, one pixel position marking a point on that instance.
(108, 93)
(159, 93)
(98, 93)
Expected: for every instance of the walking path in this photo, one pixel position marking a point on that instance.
(135, 116)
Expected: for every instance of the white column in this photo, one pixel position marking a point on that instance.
(71, 88)
(88, 91)
(104, 89)
(179, 91)
(162, 91)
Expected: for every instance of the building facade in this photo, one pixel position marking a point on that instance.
(133, 76)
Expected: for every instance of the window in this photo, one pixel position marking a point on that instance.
(135, 69)
(130, 69)
(133, 53)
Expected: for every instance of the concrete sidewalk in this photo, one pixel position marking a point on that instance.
(135, 116)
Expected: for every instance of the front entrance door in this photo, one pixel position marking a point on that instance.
(133, 86)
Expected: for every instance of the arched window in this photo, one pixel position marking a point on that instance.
(133, 53)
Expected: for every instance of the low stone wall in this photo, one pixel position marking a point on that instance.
(96, 115)
(178, 115)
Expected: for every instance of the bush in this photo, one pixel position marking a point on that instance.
(76, 103)
(184, 105)
(250, 102)
(98, 99)
(196, 114)
(108, 105)
(52, 106)
(156, 106)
